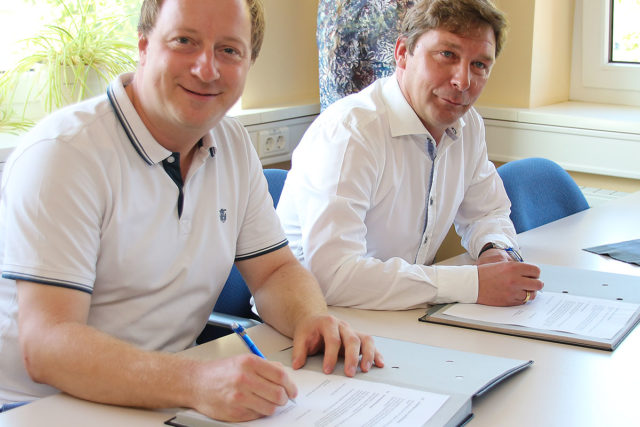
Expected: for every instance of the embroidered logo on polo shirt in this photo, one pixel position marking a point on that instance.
(223, 215)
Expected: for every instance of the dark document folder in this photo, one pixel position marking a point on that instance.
(562, 280)
(628, 251)
(459, 375)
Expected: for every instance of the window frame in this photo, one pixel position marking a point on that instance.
(597, 72)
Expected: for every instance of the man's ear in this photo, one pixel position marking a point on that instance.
(400, 53)
(143, 43)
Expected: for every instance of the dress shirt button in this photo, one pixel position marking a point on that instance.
(171, 159)
(430, 200)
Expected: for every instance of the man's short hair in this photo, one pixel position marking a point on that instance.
(149, 14)
(457, 16)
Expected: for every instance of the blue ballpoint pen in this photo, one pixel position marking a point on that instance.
(238, 329)
(514, 254)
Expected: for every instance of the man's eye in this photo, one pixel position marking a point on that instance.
(480, 65)
(230, 51)
(182, 40)
(447, 54)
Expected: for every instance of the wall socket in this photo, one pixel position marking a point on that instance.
(273, 142)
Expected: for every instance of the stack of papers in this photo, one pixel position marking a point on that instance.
(420, 385)
(582, 307)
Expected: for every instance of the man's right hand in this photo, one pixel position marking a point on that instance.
(507, 283)
(241, 388)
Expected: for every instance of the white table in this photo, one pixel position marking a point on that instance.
(567, 385)
(561, 242)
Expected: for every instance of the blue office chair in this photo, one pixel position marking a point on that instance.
(540, 192)
(233, 303)
(275, 181)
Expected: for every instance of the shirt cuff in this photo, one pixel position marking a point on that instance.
(456, 284)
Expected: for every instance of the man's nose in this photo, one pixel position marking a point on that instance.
(206, 67)
(461, 77)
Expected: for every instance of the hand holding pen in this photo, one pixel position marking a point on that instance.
(242, 333)
(515, 255)
(503, 283)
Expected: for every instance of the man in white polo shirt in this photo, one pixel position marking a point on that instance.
(121, 217)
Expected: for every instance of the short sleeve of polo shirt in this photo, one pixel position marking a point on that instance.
(260, 230)
(53, 209)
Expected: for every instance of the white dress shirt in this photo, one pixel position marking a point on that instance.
(363, 210)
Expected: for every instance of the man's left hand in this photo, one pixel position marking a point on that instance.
(336, 337)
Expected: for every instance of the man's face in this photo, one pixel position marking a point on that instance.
(445, 74)
(193, 64)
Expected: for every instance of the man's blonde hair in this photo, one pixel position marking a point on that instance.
(149, 15)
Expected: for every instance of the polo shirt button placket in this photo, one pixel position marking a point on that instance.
(185, 226)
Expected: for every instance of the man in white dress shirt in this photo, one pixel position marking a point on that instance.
(379, 178)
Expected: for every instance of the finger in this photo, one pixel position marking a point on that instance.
(528, 270)
(368, 352)
(352, 345)
(254, 397)
(301, 345)
(263, 396)
(285, 388)
(527, 283)
(332, 346)
(378, 360)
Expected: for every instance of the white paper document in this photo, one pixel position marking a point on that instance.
(333, 400)
(593, 317)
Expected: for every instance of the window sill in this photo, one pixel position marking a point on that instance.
(599, 139)
(254, 116)
(572, 114)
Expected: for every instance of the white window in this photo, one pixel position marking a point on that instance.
(595, 77)
(23, 19)
(624, 43)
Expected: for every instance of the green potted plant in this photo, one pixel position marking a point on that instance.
(73, 56)
(9, 120)
(10, 123)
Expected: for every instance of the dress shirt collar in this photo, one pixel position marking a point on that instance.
(402, 119)
(144, 143)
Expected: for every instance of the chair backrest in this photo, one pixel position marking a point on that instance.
(540, 192)
(234, 298)
(275, 180)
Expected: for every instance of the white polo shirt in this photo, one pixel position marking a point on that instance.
(86, 204)
(369, 200)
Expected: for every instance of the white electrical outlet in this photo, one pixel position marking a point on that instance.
(272, 142)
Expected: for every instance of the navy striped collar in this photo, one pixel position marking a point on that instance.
(150, 150)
